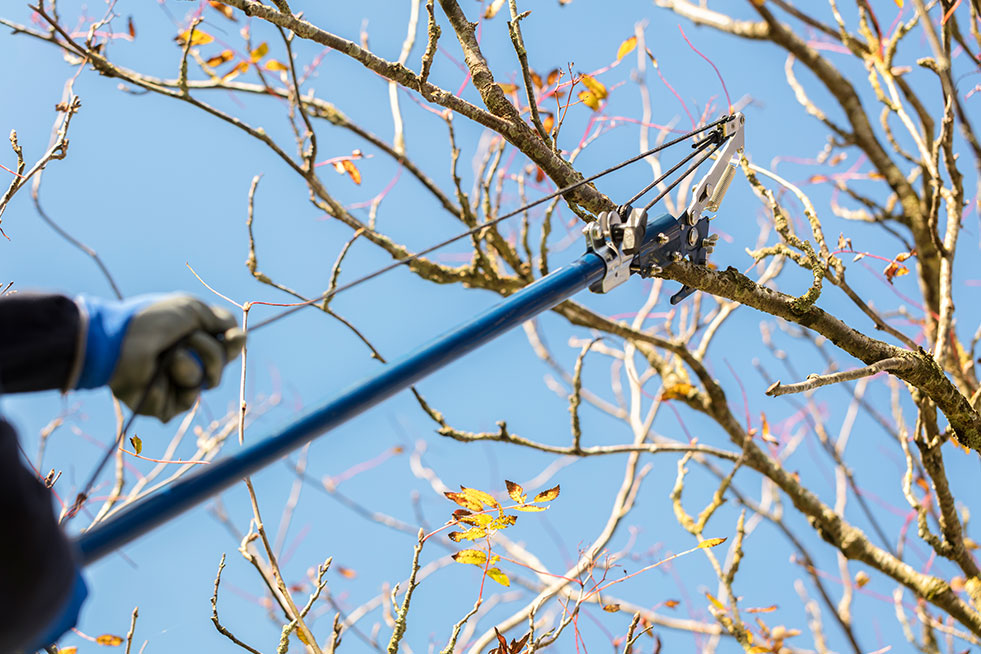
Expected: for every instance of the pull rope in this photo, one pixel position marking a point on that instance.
(511, 214)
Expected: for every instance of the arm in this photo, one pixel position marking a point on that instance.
(156, 353)
(40, 336)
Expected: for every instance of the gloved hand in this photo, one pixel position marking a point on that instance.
(174, 344)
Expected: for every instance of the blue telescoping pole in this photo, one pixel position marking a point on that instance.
(397, 376)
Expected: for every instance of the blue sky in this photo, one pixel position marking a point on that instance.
(155, 186)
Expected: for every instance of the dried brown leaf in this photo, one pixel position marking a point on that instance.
(220, 58)
(515, 492)
(548, 495)
(470, 534)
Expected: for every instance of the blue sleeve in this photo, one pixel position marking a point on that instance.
(105, 323)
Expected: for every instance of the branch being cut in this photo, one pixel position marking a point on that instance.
(816, 381)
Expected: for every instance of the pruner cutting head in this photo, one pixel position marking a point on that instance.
(688, 235)
(630, 243)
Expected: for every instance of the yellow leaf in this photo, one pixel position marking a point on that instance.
(498, 576)
(219, 59)
(352, 171)
(224, 9)
(899, 3)
(508, 88)
(595, 86)
(861, 578)
(548, 124)
(589, 100)
(515, 491)
(480, 496)
(241, 67)
(536, 79)
(612, 608)
(758, 649)
(136, 443)
(68, 650)
(553, 77)
(503, 522)
(347, 573)
(716, 603)
(626, 47)
(470, 534)
(547, 496)
(493, 8)
(199, 38)
(462, 499)
(479, 520)
(275, 65)
(765, 431)
(894, 269)
(261, 51)
(303, 639)
(677, 392)
(764, 609)
(671, 603)
(530, 508)
(711, 542)
(474, 557)
(109, 640)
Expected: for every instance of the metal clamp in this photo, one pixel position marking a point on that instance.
(615, 236)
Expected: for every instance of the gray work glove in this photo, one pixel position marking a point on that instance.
(172, 349)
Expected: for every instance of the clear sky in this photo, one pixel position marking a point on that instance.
(156, 187)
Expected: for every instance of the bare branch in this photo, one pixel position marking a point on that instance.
(816, 381)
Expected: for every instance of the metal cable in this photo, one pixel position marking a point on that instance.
(491, 223)
(700, 148)
(685, 174)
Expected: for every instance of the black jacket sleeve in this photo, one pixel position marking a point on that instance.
(39, 338)
(37, 565)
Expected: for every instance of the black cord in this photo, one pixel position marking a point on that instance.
(491, 223)
(700, 148)
(685, 174)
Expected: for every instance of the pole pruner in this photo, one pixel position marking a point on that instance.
(628, 242)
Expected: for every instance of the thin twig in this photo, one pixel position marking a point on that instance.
(816, 381)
